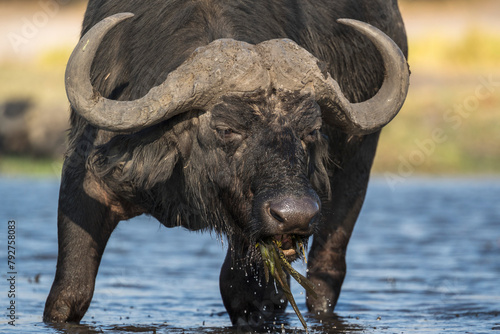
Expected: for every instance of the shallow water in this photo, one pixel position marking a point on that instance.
(424, 258)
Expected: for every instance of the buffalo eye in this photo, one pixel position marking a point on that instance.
(311, 136)
(228, 134)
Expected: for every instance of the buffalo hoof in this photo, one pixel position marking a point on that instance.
(66, 307)
(327, 286)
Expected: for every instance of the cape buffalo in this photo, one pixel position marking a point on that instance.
(254, 119)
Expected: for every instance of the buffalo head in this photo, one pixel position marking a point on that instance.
(255, 164)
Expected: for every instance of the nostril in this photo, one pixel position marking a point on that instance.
(295, 213)
(276, 215)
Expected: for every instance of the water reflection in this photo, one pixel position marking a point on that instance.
(331, 324)
(423, 258)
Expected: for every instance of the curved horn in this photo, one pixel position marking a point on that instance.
(371, 115)
(200, 80)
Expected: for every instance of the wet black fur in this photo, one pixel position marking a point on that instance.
(186, 172)
(139, 54)
(203, 195)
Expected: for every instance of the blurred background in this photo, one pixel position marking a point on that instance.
(423, 257)
(450, 123)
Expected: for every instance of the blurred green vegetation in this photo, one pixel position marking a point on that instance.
(448, 93)
(446, 74)
(466, 144)
(26, 165)
(477, 50)
(40, 80)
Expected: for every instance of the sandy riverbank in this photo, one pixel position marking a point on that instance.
(453, 46)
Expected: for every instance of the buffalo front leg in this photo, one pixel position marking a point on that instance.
(85, 224)
(348, 182)
(248, 299)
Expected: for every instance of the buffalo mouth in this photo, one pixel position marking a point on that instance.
(290, 246)
(277, 252)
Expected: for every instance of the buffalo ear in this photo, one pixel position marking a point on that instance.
(140, 160)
